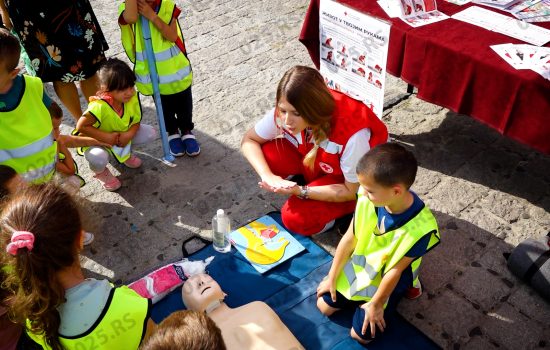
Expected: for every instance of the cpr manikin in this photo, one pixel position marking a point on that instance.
(251, 326)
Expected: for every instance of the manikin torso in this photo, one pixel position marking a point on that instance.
(248, 327)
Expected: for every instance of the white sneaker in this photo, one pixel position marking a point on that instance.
(88, 238)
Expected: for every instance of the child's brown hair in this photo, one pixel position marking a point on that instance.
(114, 74)
(52, 216)
(9, 50)
(191, 330)
(389, 164)
(6, 175)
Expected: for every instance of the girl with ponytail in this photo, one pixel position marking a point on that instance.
(42, 236)
(320, 134)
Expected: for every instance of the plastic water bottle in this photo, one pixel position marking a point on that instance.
(221, 227)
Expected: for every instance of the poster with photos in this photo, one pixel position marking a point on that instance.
(354, 53)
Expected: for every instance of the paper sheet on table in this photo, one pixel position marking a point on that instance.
(540, 8)
(503, 24)
(458, 2)
(424, 19)
(391, 7)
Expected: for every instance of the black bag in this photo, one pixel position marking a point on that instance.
(530, 261)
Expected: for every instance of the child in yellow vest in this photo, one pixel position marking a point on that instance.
(58, 306)
(377, 261)
(26, 138)
(114, 117)
(172, 65)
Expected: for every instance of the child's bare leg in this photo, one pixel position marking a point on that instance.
(89, 86)
(68, 94)
(325, 308)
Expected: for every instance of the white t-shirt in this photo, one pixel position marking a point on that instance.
(355, 148)
(85, 303)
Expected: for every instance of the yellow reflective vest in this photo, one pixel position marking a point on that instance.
(121, 325)
(375, 252)
(173, 67)
(26, 135)
(107, 119)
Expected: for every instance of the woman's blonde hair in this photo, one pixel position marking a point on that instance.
(304, 88)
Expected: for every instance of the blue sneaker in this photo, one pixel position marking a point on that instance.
(191, 145)
(177, 148)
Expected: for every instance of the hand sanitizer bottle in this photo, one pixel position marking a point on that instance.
(221, 227)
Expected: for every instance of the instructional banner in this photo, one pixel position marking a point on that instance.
(354, 53)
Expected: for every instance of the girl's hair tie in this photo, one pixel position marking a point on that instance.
(20, 239)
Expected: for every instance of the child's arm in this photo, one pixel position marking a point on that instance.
(169, 31)
(374, 310)
(85, 126)
(343, 252)
(130, 13)
(5, 15)
(128, 135)
(72, 141)
(65, 166)
(54, 109)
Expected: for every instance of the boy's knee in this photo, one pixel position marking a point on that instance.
(325, 309)
(98, 158)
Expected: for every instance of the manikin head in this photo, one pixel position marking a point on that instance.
(201, 293)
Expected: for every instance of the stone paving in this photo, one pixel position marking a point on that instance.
(488, 193)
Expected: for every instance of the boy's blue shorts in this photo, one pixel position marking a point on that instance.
(359, 316)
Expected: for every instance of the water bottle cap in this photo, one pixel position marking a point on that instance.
(219, 212)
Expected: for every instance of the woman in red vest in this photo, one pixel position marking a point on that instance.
(320, 134)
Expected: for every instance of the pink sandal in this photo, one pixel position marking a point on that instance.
(109, 181)
(133, 162)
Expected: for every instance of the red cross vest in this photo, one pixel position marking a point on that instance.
(348, 118)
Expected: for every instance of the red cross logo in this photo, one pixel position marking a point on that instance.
(326, 168)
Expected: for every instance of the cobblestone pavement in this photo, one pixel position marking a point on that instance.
(488, 193)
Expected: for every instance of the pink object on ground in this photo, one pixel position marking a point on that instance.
(162, 281)
(109, 181)
(133, 162)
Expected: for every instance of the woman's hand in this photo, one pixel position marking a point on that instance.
(374, 316)
(277, 184)
(327, 285)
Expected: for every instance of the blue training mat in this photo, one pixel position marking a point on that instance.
(290, 290)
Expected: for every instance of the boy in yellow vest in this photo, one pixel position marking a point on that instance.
(26, 138)
(173, 67)
(378, 259)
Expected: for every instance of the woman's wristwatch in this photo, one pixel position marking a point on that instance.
(304, 192)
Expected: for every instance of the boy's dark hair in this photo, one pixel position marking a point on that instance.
(9, 50)
(6, 174)
(114, 74)
(190, 330)
(389, 164)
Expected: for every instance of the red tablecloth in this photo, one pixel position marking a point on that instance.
(452, 65)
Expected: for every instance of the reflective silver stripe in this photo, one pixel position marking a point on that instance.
(122, 151)
(331, 147)
(165, 79)
(165, 55)
(361, 260)
(36, 174)
(415, 267)
(366, 292)
(349, 272)
(28, 150)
